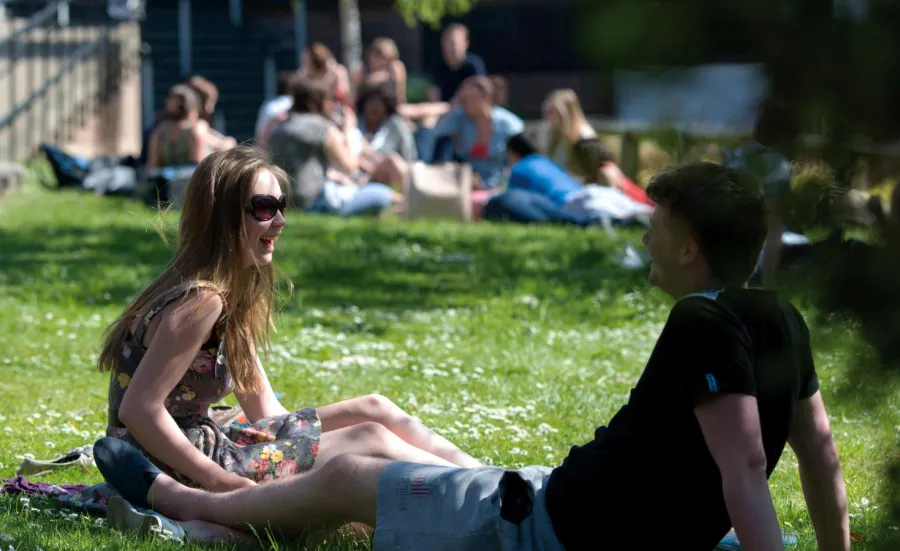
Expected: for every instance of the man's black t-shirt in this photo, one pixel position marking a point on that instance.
(448, 80)
(650, 471)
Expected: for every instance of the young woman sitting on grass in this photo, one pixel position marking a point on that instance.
(594, 161)
(191, 338)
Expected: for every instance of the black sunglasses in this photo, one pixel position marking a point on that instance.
(264, 207)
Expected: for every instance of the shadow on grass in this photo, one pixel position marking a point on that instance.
(388, 265)
(854, 317)
(38, 263)
(416, 267)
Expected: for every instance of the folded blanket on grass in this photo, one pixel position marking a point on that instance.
(89, 499)
(21, 485)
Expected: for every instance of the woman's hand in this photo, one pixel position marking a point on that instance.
(229, 482)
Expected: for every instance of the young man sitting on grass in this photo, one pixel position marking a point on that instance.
(730, 382)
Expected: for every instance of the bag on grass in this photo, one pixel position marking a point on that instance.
(442, 191)
(69, 170)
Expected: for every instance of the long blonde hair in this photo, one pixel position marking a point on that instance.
(565, 104)
(212, 247)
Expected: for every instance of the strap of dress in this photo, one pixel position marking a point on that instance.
(159, 305)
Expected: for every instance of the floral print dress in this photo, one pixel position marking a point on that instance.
(264, 450)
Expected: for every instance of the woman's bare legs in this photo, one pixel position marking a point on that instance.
(370, 439)
(344, 490)
(378, 409)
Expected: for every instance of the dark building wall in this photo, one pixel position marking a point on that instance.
(533, 43)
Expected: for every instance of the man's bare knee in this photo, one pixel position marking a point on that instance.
(338, 468)
(347, 488)
(350, 486)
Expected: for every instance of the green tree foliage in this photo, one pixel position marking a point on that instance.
(431, 12)
(834, 74)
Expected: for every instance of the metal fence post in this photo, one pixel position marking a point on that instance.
(235, 12)
(13, 96)
(300, 36)
(185, 37)
(62, 14)
(270, 78)
(147, 90)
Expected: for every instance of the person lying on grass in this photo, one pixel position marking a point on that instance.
(191, 337)
(730, 382)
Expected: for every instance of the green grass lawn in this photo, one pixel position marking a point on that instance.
(513, 342)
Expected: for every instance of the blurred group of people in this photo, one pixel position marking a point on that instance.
(187, 128)
(348, 140)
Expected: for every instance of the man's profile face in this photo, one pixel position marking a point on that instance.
(669, 243)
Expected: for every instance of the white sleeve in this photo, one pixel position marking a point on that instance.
(543, 138)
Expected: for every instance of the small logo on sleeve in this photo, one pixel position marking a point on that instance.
(712, 383)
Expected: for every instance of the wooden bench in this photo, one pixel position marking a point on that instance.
(685, 136)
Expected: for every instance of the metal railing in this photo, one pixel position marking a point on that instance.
(55, 70)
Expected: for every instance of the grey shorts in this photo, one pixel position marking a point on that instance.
(429, 508)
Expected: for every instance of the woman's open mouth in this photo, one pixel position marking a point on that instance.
(268, 242)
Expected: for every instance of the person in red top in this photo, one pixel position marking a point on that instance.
(594, 161)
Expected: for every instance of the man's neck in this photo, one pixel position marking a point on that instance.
(699, 285)
(456, 63)
(706, 286)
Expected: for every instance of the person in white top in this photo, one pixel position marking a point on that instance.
(564, 124)
(279, 105)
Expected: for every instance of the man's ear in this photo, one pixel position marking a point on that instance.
(689, 252)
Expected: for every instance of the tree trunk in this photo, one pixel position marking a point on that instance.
(351, 35)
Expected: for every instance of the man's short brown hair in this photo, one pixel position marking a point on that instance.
(724, 209)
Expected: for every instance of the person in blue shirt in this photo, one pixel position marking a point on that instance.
(476, 132)
(531, 171)
(536, 190)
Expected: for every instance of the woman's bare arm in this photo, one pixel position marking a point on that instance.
(338, 151)
(263, 404)
(182, 329)
(153, 160)
(400, 79)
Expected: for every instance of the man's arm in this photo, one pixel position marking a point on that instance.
(730, 425)
(478, 65)
(820, 474)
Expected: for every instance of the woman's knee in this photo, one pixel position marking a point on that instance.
(368, 431)
(380, 408)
